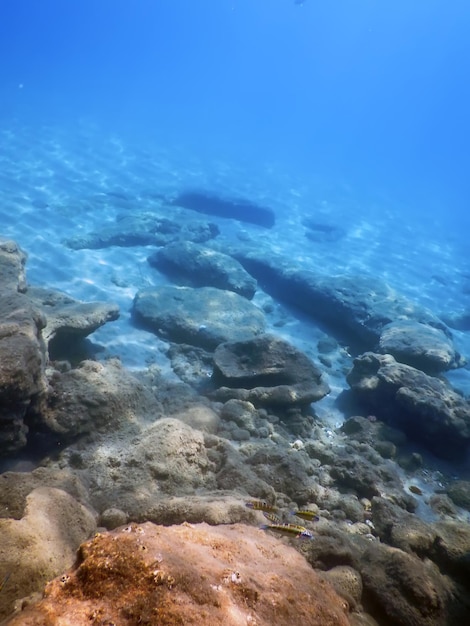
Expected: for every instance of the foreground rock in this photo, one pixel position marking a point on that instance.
(424, 407)
(201, 317)
(266, 371)
(41, 544)
(199, 266)
(186, 574)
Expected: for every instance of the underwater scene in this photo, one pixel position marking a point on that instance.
(234, 313)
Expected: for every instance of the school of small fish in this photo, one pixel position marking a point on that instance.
(277, 525)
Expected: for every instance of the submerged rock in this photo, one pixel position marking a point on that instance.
(356, 308)
(144, 229)
(22, 350)
(229, 207)
(266, 371)
(419, 345)
(425, 408)
(69, 320)
(200, 266)
(203, 317)
(199, 575)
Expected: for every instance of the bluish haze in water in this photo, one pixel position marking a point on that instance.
(372, 92)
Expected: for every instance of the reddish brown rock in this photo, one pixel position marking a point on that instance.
(200, 575)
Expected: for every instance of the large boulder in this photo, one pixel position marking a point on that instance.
(95, 397)
(201, 317)
(200, 266)
(266, 371)
(194, 575)
(354, 307)
(425, 408)
(419, 345)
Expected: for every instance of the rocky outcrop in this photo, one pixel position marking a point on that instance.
(199, 266)
(187, 574)
(95, 397)
(144, 229)
(69, 320)
(355, 308)
(22, 351)
(34, 322)
(266, 371)
(201, 317)
(424, 407)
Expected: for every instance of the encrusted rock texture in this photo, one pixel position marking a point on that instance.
(201, 575)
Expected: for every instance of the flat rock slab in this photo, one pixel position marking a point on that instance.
(424, 407)
(236, 208)
(266, 371)
(199, 266)
(144, 229)
(203, 317)
(357, 308)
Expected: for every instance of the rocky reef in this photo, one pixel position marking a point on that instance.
(222, 494)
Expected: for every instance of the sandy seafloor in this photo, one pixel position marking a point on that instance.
(56, 183)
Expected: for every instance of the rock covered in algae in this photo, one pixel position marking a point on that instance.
(148, 574)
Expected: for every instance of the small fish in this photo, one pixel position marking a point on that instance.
(310, 516)
(261, 505)
(291, 530)
(4, 581)
(274, 519)
(416, 490)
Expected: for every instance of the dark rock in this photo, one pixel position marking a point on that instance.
(193, 365)
(144, 229)
(321, 231)
(266, 371)
(405, 590)
(354, 308)
(459, 493)
(401, 529)
(358, 475)
(426, 408)
(199, 266)
(451, 549)
(459, 321)
(235, 208)
(419, 345)
(203, 317)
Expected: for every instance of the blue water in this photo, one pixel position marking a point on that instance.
(376, 93)
(352, 111)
